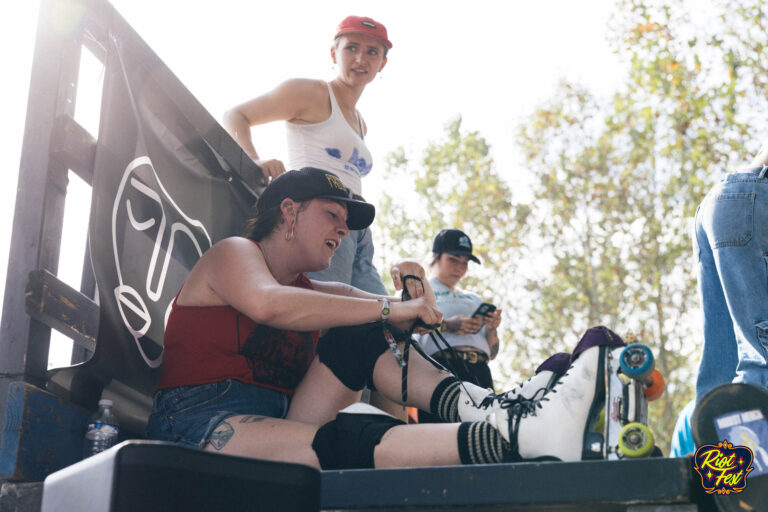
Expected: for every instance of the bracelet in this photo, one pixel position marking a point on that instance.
(385, 309)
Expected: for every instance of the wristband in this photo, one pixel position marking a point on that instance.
(385, 310)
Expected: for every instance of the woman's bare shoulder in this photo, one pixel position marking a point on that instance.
(232, 246)
(224, 257)
(304, 100)
(303, 86)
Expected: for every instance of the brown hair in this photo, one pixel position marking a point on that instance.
(262, 225)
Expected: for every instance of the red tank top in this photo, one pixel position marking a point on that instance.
(205, 344)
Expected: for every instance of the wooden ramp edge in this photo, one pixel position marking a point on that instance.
(658, 484)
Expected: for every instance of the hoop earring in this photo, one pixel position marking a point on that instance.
(289, 234)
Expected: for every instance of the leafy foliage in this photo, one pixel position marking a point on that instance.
(455, 186)
(616, 181)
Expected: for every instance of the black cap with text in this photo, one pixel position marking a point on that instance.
(311, 183)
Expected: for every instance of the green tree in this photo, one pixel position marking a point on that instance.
(618, 181)
(606, 239)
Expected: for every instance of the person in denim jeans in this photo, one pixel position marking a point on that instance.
(260, 361)
(731, 245)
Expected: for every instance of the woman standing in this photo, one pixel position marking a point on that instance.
(325, 130)
(474, 338)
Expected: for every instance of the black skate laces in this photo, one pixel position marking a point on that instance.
(518, 407)
(507, 400)
(409, 341)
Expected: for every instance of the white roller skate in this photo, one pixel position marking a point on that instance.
(558, 426)
(552, 426)
(552, 418)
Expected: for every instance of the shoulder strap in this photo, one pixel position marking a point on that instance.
(360, 124)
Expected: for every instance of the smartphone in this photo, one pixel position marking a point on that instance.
(484, 309)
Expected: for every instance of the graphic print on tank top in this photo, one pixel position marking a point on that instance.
(277, 357)
(356, 163)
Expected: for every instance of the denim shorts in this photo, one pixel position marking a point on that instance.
(188, 414)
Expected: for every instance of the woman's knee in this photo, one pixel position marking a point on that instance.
(349, 441)
(351, 353)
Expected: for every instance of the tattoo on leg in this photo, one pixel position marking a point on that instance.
(221, 435)
(252, 418)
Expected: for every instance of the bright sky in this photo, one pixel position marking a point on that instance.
(491, 61)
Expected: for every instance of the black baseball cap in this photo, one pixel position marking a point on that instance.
(453, 241)
(312, 183)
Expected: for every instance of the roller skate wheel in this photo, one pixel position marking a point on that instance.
(635, 440)
(636, 361)
(654, 385)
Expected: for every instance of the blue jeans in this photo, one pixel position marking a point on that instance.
(352, 263)
(188, 414)
(731, 244)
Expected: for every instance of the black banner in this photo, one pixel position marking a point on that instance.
(162, 195)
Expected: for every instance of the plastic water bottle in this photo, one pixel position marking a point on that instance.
(102, 430)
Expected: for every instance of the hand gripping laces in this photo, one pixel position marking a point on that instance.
(403, 360)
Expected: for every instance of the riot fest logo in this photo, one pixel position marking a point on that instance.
(723, 467)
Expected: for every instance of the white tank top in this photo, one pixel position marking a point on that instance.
(331, 145)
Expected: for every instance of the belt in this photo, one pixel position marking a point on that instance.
(470, 356)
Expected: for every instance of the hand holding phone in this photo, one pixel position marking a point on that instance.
(484, 309)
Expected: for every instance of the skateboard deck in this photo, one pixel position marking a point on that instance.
(738, 414)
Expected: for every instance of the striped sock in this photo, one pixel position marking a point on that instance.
(445, 399)
(480, 443)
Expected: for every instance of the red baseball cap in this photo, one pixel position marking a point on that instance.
(363, 25)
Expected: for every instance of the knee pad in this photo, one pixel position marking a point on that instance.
(348, 441)
(352, 351)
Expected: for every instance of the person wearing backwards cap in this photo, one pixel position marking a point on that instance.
(261, 361)
(325, 130)
(473, 338)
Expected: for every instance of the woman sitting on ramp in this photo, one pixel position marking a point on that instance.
(259, 359)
